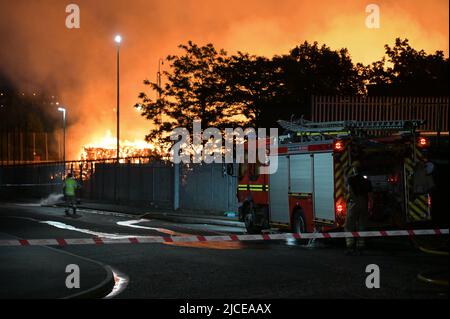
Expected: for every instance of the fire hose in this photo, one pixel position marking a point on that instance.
(430, 277)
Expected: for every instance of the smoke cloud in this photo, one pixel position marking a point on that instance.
(39, 52)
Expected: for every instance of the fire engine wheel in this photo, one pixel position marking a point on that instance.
(249, 220)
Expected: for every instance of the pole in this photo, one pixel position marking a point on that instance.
(116, 173)
(58, 137)
(21, 146)
(64, 141)
(46, 147)
(34, 146)
(7, 148)
(118, 105)
(176, 186)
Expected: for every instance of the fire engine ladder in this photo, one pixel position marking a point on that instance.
(304, 126)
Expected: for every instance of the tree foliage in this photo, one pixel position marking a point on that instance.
(404, 71)
(193, 90)
(241, 89)
(310, 70)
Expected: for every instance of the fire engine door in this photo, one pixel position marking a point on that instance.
(300, 173)
(323, 186)
(278, 192)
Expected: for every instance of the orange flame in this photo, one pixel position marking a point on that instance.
(106, 148)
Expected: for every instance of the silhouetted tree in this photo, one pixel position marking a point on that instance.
(404, 71)
(248, 90)
(242, 89)
(312, 70)
(253, 87)
(194, 90)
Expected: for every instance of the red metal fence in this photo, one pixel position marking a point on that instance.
(434, 110)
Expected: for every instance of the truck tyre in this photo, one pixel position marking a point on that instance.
(250, 219)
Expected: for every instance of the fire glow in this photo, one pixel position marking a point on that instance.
(106, 148)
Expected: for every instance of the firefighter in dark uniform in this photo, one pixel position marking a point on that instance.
(360, 194)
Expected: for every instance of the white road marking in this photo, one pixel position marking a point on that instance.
(128, 223)
(132, 224)
(90, 232)
(194, 227)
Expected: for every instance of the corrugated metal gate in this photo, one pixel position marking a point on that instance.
(204, 187)
(207, 187)
(434, 110)
(145, 182)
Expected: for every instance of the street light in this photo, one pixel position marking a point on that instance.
(63, 110)
(118, 40)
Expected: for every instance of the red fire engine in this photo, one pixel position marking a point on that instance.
(308, 190)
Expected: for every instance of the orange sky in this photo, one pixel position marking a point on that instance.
(39, 51)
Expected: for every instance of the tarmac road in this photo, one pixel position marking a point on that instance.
(275, 269)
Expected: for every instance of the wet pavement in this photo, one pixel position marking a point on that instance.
(274, 269)
(41, 272)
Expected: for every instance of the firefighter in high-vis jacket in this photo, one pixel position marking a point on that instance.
(360, 195)
(70, 187)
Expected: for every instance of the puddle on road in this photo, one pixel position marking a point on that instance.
(120, 283)
(221, 245)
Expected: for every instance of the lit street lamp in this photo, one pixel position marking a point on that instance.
(63, 110)
(118, 40)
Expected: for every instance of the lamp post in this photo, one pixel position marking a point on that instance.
(118, 40)
(63, 110)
